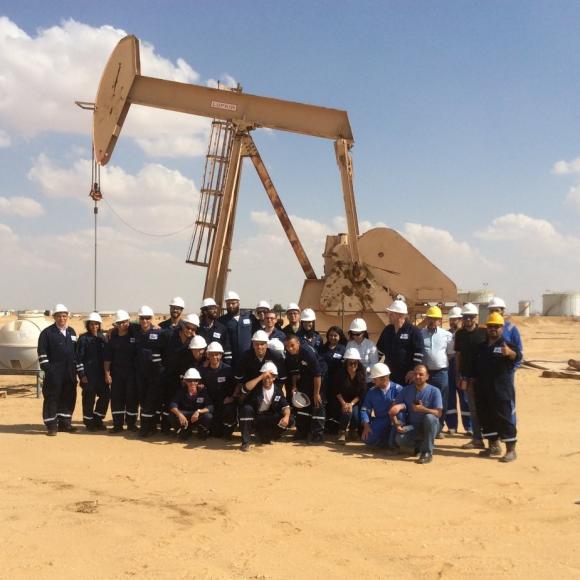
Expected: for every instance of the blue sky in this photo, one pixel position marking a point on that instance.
(460, 111)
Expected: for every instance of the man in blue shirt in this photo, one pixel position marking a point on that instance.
(423, 408)
(374, 413)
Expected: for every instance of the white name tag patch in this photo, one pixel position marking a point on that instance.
(73, 338)
(277, 398)
(199, 400)
(246, 321)
(221, 379)
(132, 340)
(497, 350)
(336, 355)
(404, 336)
(153, 336)
(217, 334)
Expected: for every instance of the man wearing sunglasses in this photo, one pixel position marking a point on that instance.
(467, 341)
(495, 390)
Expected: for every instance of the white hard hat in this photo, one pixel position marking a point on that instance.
(191, 319)
(269, 367)
(469, 309)
(208, 302)
(191, 375)
(263, 304)
(358, 325)
(293, 306)
(496, 302)
(300, 400)
(398, 307)
(60, 308)
(351, 354)
(455, 312)
(232, 296)
(308, 315)
(177, 301)
(276, 344)
(94, 317)
(215, 347)
(260, 336)
(145, 311)
(380, 370)
(197, 342)
(121, 316)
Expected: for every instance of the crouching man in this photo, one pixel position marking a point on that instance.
(422, 405)
(191, 407)
(264, 407)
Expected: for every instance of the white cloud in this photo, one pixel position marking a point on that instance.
(225, 80)
(156, 199)
(573, 197)
(566, 167)
(5, 140)
(24, 207)
(42, 75)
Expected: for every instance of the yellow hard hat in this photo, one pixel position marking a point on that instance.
(495, 318)
(434, 312)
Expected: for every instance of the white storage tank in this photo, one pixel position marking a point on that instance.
(19, 339)
(561, 304)
(524, 307)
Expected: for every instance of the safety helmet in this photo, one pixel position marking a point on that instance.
(94, 317)
(208, 302)
(263, 304)
(177, 301)
(293, 306)
(495, 318)
(215, 347)
(145, 311)
(358, 325)
(191, 375)
(398, 307)
(269, 367)
(455, 312)
(197, 342)
(60, 308)
(351, 354)
(260, 336)
(469, 309)
(121, 316)
(380, 370)
(434, 312)
(232, 296)
(496, 302)
(276, 344)
(308, 315)
(300, 400)
(191, 319)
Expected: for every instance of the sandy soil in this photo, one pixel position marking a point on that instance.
(95, 506)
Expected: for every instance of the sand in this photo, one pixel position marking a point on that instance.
(90, 505)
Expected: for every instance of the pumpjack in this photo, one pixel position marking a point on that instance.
(362, 273)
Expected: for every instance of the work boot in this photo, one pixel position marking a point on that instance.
(493, 450)
(425, 458)
(245, 447)
(474, 444)
(116, 429)
(51, 433)
(510, 452)
(132, 427)
(67, 429)
(341, 438)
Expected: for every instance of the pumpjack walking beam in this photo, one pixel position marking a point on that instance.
(122, 85)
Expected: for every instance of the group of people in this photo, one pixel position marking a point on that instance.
(213, 374)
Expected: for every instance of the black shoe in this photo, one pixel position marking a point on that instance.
(300, 436)
(245, 447)
(99, 426)
(67, 429)
(425, 458)
(91, 427)
(145, 433)
(51, 433)
(116, 429)
(316, 439)
(133, 428)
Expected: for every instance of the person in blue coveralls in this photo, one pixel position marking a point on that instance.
(422, 406)
(377, 403)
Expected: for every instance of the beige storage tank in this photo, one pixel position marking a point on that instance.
(561, 304)
(19, 339)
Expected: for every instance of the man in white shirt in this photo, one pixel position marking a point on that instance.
(438, 345)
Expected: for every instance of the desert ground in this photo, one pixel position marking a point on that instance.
(90, 505)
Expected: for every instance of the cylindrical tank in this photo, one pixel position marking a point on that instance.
(524, 307)
(561, 304)
(475, 296)
(19, 339)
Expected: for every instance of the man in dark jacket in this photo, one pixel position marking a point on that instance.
(495, 391)
(56, 355)
(264, 407)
